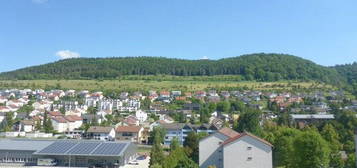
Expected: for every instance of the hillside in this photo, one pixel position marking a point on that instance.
(259, 67)
(349, 71)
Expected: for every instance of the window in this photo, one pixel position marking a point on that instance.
(127, 134)
(249, 148)
(249, 158)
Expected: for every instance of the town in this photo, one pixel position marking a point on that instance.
(178, 84)
(221, 128)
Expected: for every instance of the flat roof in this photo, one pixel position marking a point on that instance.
(312, 116)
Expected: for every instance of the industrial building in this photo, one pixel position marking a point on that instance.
(81, 153)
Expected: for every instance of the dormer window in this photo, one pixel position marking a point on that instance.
(249, 148)
(249, 158)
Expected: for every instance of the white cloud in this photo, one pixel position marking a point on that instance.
(65, 54)
(204, 58)
(39, 1)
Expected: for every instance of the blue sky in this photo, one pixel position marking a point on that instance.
(35, 32)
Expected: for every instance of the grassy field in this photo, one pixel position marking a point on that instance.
(182, 83)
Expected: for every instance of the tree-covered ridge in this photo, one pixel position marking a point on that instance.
(349, 71)
(260, 67)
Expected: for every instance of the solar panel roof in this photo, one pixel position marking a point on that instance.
(109, 149)
(85, 148)
(59, 147)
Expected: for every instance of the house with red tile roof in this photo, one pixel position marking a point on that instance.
(130, 121)
(5, 109)
(164, 94)
(62, 123)
(229, 149)
(129, 133)
(55, 113)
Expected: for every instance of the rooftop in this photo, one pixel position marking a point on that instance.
(66, 147)
(128, 128)
(228, 132)
(245, 134)
(98, 129)
(312, 116)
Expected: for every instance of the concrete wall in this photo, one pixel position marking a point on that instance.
(210, 152)
(247, 152)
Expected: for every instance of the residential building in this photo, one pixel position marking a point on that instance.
(100, 133)
(62, 123)
(59, 123)
(229, 149)
(26, 126)
(131, 133)
(130, 121)
(141, 115)
(181, 130)
(178, 130)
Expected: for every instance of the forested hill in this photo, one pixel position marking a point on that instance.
(349, 71)
(260, 67)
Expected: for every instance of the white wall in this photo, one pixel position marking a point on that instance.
(28, 128)
(236, 154)
(209, 150)
(59, 127)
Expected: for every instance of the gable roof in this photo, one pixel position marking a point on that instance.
(98, 129)
(59, 119)
(230, 140)
(73, 118)
(128, 129)
(26, 122)
(55, 113)
(173, 126)
(228, 132)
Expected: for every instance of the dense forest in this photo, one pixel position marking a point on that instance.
(259, 67)
(349, 72)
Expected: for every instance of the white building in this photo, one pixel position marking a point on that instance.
(26, 126)
(66, 123)
(100, 133)
(59, 124)
(229, 149)
(141, 115)
(5, 109)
